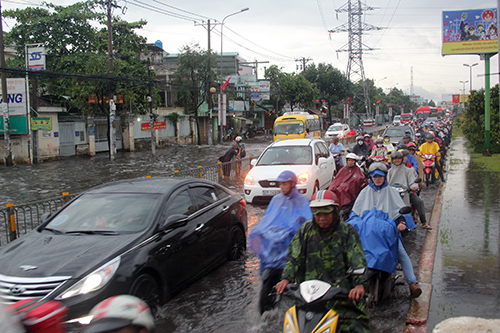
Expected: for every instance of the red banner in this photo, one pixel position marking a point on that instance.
(456, 98)
(93, 100)
(158, 125)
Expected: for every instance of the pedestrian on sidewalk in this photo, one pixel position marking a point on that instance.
(228, 156)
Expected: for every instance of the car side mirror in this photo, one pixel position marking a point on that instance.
(175, 221)
(405, 210)
(253, 162)
(321, 160)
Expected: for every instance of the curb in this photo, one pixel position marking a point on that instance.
(418, 314)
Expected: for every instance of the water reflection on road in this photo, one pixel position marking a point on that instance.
(466, 277)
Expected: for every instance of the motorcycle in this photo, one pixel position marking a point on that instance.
(312, 316)
(404, 191)
(381, 283)
(429, 161)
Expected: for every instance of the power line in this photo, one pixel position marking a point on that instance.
(162, 11)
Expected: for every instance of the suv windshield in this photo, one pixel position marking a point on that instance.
(335, 128)
(289, 128)
(114, 212)
(286, 155)
(396, 131)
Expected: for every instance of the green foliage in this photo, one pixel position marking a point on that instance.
(291, 88)
(75, 38)
(332, 84)
(472, 123)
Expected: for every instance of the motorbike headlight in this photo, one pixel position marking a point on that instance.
(249, 180)
(94, 281)
(303, 178)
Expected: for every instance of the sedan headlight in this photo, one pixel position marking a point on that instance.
(303, 178)
(94, 281)
(249, 180)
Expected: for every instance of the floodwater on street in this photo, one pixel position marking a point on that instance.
(466, 277)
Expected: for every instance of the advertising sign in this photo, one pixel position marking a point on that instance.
(18, 125)
(472, 31)
(36, 58)
(41, 124)
(157, 125)
(16, 95)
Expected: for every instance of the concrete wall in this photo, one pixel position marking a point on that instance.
(19, 144)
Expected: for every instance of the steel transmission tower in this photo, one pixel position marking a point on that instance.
(355, 47)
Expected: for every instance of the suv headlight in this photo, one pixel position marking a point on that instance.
(94, 281)
(303, 178)
(249, 180)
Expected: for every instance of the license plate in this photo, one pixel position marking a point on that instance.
(270, 192)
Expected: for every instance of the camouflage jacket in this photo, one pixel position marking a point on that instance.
(326, 254)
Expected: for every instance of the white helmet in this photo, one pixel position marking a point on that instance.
(238, 138)
(120, 311)
(352, 156)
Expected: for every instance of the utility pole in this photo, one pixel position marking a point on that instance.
(151, 113)
(255, 66)
(112, 106)
(5, 99)
(355, 47)
(304, 61)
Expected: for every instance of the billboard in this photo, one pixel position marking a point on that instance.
(36, 58)
(471, 31)
(16, 96)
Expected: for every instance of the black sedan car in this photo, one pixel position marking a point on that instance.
(147, 237)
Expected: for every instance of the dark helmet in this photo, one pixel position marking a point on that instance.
(397, 154)
(287, 176)
(379, 141)
(429, 136)
(403, 146)
(377, 168)
(405, 152)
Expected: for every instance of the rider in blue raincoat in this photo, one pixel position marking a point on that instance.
(285, 214)
(375, 215)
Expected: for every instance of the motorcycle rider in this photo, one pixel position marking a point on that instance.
(368, 140)
(324, 249)
(401, 174)
(383, 202)
(388, 145)
(337, 149)
(408, 159)
(286, 212)
(380, 149)
(361, 148)
(347, 184)
(431, 147)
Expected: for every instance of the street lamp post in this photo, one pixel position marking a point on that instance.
(470, 69)
(463, 92)
(221, 58)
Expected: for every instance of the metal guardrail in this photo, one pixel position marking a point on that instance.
(17, 220)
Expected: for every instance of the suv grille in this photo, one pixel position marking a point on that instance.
(268, 183)
(13, 289)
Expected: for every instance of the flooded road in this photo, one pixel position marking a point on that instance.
(466, 277)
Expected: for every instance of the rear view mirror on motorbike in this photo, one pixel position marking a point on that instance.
(405, 210)
(356, 271)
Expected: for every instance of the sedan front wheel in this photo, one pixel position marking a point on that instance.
(146, 288)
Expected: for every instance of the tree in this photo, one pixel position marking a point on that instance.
(472, 122)
(291, 88)
(75, 45)
(332, 84)
(195, 69)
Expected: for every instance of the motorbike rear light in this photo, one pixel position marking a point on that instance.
(243, 203)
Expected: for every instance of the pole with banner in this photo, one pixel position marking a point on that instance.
(35, 61)
(5, 102)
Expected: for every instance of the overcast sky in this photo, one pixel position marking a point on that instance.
(281, 31)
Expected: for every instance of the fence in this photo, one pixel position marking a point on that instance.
(17, 220)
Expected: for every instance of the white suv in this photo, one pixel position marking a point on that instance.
(309, 159)
(337, 130)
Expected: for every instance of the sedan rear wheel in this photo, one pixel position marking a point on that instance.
(146, 288)
(237, 246)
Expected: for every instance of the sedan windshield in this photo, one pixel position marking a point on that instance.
(105, 214)
(286, 155)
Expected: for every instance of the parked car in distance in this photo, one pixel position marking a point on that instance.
(396, 133)
(147, 237)
(396, 121)
(337, 130)
(309, 159)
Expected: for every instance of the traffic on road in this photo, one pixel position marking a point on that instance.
(161, 239)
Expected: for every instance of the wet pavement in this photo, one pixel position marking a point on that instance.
(466, 277)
